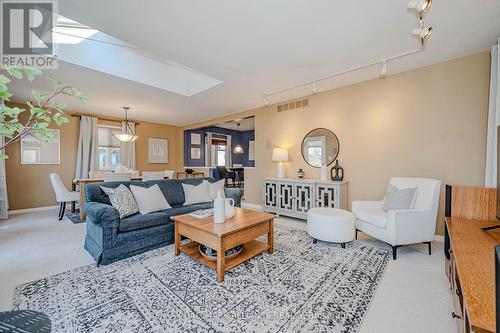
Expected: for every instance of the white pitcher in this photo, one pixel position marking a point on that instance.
(229, 208)
(219, 208)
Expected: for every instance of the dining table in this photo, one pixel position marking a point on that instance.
(82, 182)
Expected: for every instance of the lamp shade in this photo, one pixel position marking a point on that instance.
(280, 154)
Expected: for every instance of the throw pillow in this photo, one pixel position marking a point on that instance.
(149, 199)
(399, 198)
(122, 200)
(214, 187)
(196, 193)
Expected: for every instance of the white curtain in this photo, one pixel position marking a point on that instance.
(127, 150)
(490, 178)
(229, 152)
(87, 158)
(4, 202)
(208, 150)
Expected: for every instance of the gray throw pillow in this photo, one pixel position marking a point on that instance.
(399, 198)
(122, 199)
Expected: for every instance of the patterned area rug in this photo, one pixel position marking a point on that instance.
(74, 217)
(301, 287)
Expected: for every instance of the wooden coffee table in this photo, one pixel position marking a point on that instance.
(241, 229)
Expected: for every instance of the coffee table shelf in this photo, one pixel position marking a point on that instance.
(250, 250)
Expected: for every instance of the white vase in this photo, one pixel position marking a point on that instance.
(324, 172)
(219, 208)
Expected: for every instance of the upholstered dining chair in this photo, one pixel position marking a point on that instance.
(62, 194)
(224, 174)
(152, 175)
(117, 177)
(169, 174)
(406, 226)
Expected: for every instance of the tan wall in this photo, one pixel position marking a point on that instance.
(29, 186)
(428, 122)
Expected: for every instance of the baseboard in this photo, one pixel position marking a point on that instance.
(30, 210)
(251, 206)
(439, 238)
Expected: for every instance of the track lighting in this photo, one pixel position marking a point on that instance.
(383, 70)
(422, 33)
(264, 97)
(420, 7)
(315, 88)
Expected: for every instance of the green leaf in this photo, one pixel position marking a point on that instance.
(3, 156)
(15, 72)
(31, 73)
(38, 96)
(5, 95)
(61, 120)
(4, 80)
(36, 111)
(56, 84)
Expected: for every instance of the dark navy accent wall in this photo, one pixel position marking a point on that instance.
(237, 137)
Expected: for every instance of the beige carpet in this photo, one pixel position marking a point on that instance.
(413, 295)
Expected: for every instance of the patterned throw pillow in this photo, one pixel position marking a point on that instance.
(122, 199)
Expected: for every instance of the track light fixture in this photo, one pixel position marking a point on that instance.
(315, 88)
(383, 70)
(420, 7)
(423, 33)
(264, 97)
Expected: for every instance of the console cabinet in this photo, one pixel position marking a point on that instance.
(294, 197)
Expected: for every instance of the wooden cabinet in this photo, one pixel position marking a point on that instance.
(294, 197)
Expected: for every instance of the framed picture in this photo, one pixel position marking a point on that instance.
(35, 151)
(157, 151)
(195, 138)
(195, 153)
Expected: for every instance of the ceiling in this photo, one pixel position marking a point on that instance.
(260, 46)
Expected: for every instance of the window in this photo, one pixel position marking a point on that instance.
(221, 155)
(109, 147)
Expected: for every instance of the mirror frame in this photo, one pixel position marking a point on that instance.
(302, 145)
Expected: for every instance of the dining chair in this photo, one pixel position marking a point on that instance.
(117, 177)
(62, 194)
(224, 174)
(169, 174)
(98, 174)
(152, 175)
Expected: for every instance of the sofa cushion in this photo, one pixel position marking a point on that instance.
(149, 199)
(372, 215)
(121, 199)
(194, 194)
(138, 221)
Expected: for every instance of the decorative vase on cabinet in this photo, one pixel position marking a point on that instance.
(294, 197)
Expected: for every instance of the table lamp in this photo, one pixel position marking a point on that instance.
(280, 155)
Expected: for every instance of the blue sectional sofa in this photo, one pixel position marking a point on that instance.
(110, 238)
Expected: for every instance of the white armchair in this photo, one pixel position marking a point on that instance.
(406, 226)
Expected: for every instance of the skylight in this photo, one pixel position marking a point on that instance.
(84, 46)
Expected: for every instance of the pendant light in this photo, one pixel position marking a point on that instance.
(238, 149)
(129, 134)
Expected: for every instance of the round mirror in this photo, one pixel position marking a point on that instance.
(320, 147)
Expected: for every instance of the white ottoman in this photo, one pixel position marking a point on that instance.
(330, 225)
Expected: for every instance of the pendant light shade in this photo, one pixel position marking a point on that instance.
(129, 134)
(238, 149)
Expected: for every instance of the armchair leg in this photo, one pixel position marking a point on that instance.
(315, 240)
(394, 251)
(429, 245)
(356, 234)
